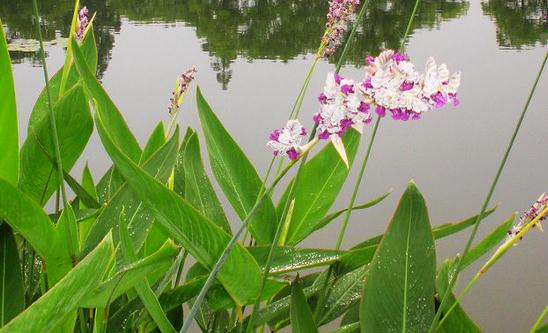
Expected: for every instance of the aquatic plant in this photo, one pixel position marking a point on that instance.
(113, 255)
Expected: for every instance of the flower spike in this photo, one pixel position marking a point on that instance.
(287, 140)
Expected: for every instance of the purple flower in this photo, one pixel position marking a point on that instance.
(286, 141)
(528, 216)
(342, 105)
(340, 12)
(82, 22)
(181, 86)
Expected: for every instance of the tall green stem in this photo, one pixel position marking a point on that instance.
(537, 324)
(325, 291)
(53, 124)
(508, 244)
(487, 200)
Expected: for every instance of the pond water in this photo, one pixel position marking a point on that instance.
(252, 57)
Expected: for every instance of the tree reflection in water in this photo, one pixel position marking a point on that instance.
(270, 29)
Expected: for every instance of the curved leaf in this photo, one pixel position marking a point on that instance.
(74, 127)
(198, 189)
(236, 175)
(152, 267)
(399, 287)
(114, 122)
(140, 219)
(319, 184)
(204, 240)
(9, 146)
(362, 253)
(326, 220)
(40, 109)
(27, 218)
(54, 307)
(486, 244)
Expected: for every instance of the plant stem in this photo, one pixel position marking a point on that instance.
(487, 198)
(537, 324)
(325, 291)
(53, 124)
(507, 245)
(211, 278)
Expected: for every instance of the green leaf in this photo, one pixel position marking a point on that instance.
(326, 220)
(40, 109)
(155, 141)
(55, 306)
(140, 219)
(345, 293)
(543, 329)
(152, 267)
(74, 127)
(198, 189)
(457, 321)
(302, 320)
(204, 240)
(399, 287)
(9, 146)
(319, 184)
(289, 259)
(486, 244)
(26, 217)
(362, 253)
(236, 175)
(143, 288)
(11, 280)
(114, 122)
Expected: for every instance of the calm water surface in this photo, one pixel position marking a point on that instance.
(252, 57)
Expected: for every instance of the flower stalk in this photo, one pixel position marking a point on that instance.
(487, 200)
(511, 241)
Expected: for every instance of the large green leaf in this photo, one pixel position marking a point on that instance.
(302, 320)
(9, 146)
(236, 175)
(319, 184)
(12, 292)
(398, 294)
(152, 267)
(362, 253)
(140, 219)
(204, 240)
(59, 302)
(457, 321)
(27, 218)
(114, 122)
(198, 189)
(41, 109)
(74, 126)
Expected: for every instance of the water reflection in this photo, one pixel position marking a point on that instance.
(520, 23)
(268, 29)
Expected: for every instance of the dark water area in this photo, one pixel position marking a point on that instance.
(252, 57)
